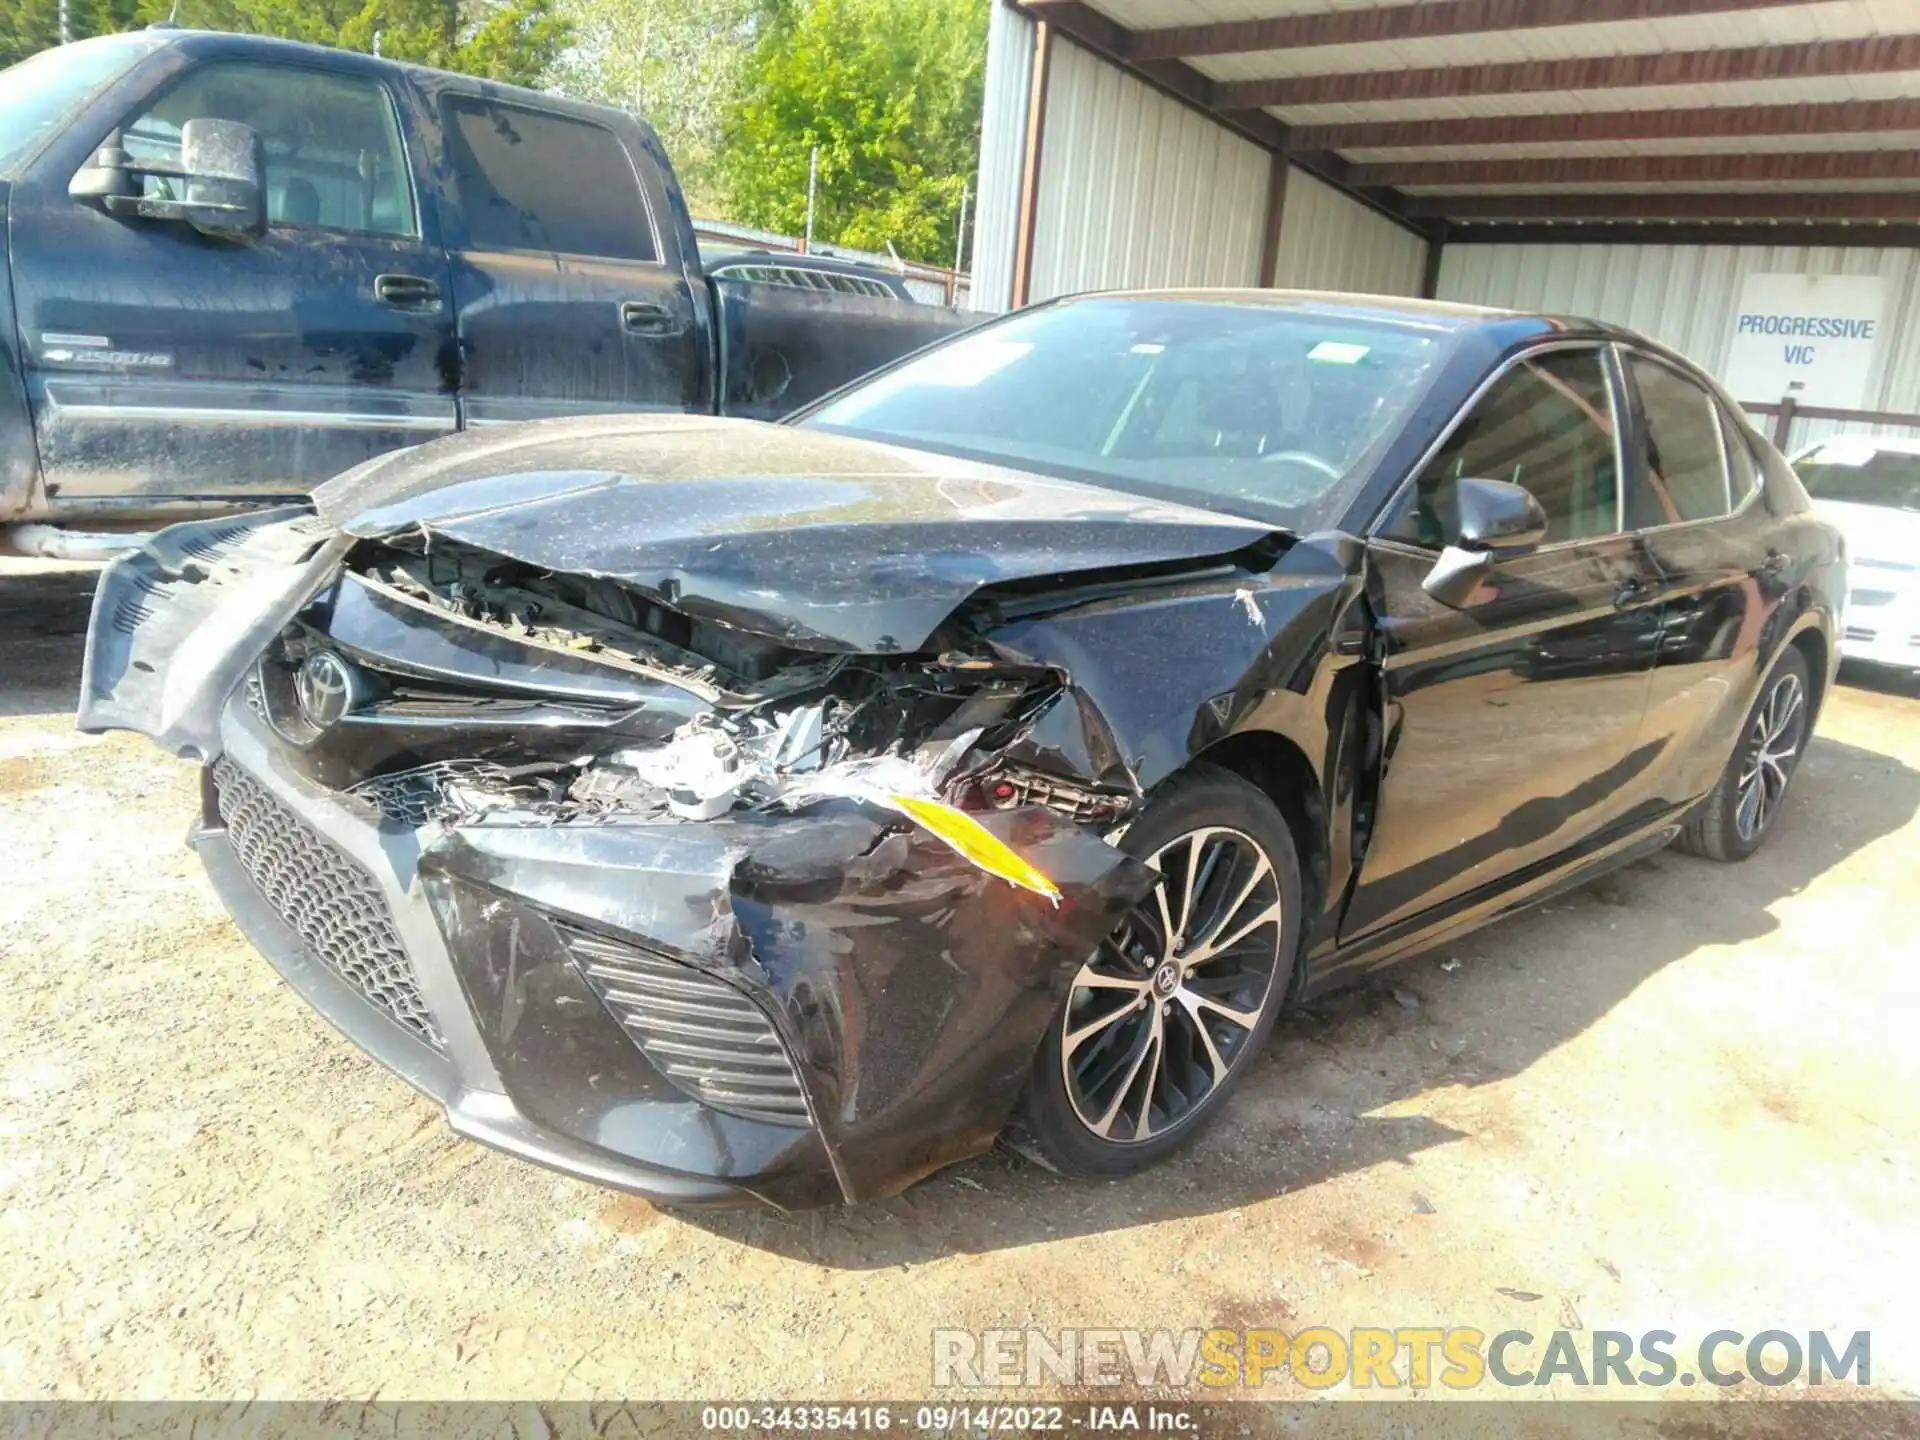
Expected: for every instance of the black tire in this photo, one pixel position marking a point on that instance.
(1201, 1055)
(1724, 826)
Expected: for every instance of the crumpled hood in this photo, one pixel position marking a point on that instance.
(828, 542)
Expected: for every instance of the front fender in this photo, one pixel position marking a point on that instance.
(1223, 655)
(177, 622)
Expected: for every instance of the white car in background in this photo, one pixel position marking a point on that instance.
(1869, 486)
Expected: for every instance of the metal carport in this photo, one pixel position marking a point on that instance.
(1634, 160)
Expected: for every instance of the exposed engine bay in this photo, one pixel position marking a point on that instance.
(780, 727)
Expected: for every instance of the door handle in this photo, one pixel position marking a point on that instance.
(1628, 591)
(644, 317)
(406, 292)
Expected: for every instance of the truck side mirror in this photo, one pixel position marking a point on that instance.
(225, 194)
(105, 173)
(220, 191)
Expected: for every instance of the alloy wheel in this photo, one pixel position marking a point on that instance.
(1160, 1014)
(1772, 745)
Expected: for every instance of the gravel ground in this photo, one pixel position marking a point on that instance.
(1680, 1098)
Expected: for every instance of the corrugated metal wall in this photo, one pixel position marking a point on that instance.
(1331, 242)
(1688, 297)
(1136, 189)
(1003, 148)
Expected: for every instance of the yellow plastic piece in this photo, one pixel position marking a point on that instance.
(972, 840)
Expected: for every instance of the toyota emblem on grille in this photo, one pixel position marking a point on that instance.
(326, 688)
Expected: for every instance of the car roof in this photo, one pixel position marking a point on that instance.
(1509, 325)
(1502, 330)
(1356, 301)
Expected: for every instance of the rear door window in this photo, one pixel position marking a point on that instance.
(529, 180)
(1686, 475)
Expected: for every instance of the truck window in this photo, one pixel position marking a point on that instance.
(334, 158)
(529, 180)
(800, 278)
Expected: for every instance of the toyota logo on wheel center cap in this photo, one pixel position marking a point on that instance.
(1166, 980)
(325, 688)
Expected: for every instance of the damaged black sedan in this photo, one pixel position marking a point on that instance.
(737, 812)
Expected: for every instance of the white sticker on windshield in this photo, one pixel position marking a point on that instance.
(1146, 347)
(1850, 453)
(1338, 352)
(968, 362)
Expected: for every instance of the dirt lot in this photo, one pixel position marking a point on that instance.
(1680, 1099)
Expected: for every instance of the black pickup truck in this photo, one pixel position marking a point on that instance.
(236, 266)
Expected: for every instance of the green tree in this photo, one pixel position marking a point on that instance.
(890, 91)
(27, 26)
(680, 63)
(511, 40)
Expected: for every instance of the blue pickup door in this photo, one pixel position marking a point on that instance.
(565, 241)
(162, 364)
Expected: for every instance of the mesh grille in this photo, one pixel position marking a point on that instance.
(334, 906)
(699, 1032)
(422, 795)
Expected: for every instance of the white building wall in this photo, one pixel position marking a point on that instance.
(1329, 241)
(1137, 189)
(1688, 296)
(1003, 150)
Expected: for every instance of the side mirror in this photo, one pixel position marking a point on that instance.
(220, 191)
(1490, 517)
(225, 194)
(1496, 515)
(105, 175)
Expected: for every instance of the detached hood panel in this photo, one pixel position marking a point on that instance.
(827, 542)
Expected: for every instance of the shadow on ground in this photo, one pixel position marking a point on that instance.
(1881, 680)
(43, 622)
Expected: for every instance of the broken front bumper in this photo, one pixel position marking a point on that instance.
(792, 1009)
(543, 1072)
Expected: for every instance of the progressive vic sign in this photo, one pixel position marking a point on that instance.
(1808, 336)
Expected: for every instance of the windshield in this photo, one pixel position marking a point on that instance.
(39, 93)
(1255, 409)
(1861, 474)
